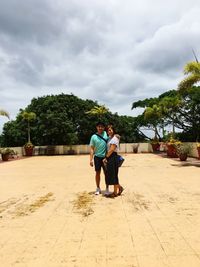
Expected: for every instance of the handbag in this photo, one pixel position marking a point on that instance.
(120, 160)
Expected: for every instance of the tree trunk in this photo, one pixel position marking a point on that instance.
(29, 136)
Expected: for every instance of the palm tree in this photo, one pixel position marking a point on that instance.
(192, 69)
(98, 111)
(28, 116)
(4, 113)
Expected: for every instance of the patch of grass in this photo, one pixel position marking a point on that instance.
(138, 202)
(83, 204)
(7, 204)
(30, 208)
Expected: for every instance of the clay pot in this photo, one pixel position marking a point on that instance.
(171, 151)
(5, 157)
(29, 151)
(183, 157)
(198, 149)
(155, 147)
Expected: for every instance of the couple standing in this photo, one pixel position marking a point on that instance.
(103, 154)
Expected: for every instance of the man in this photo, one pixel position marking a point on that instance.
(98, 148)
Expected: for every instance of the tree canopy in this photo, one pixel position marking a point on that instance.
(175, 109)
(63, 120)
(178, 109)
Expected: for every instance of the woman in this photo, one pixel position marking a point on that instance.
(111, 162)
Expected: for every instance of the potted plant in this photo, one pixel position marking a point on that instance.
(6, 152)
(183, 150)
(171, 147)
(155, 144)
(28, 147)
(198, 149)
(72, 141)
(135, 148)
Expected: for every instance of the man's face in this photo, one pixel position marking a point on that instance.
(100, 129)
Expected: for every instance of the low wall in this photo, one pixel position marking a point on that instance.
(85, 149)
(194, 152)
(80, 149)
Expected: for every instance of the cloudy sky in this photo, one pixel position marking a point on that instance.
(112, 51)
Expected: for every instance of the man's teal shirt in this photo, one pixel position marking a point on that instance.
(100, 146)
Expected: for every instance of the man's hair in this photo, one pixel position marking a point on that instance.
(100, 123)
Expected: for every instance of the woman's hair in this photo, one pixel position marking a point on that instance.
(111, 127)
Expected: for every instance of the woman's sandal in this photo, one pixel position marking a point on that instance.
(121, 189)
(112, 195)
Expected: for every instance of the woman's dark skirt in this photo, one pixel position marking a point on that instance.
(112, 170)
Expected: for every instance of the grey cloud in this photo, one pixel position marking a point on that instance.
(28, 20)
(114, 52)
(171, 46)
(23, 70)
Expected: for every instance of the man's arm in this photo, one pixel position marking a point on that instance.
(91, 155)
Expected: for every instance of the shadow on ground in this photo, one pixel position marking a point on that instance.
(190, 161)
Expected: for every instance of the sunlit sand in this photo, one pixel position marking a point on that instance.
(49, 215)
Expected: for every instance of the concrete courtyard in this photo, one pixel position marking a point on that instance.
(49, 215)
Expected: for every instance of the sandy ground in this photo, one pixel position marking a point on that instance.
(50, 217)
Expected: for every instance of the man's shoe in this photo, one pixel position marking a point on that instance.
(98, 191)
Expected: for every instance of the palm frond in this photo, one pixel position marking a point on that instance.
(98, 110)
(192, 67)
(188, 82)
(4, 113)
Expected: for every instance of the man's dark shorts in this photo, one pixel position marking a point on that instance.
(98, 163)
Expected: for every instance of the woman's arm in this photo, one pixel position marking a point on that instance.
(111, 150)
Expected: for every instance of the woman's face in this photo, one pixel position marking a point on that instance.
(110, 132)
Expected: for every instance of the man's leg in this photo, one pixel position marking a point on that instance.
(97, 178)
(98, 165)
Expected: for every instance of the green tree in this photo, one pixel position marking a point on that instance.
(181, 110)
(160, 112)
(188, 116)
(28, 117)
(169, 106)
(153, 116)
(63, 120)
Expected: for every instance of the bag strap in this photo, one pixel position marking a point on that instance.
(101, 137)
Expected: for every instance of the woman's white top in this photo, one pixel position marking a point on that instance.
(113, 141)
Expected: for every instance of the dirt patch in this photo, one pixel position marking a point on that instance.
(5, 205)
(138, 202)
(83, 204)
(168, 198)
(26, 209)
(187, 211)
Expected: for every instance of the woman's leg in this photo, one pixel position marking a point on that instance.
(116, 189)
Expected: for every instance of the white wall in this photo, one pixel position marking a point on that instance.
(85, 149)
